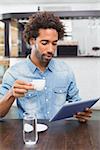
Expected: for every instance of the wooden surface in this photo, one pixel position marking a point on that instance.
(61, 135)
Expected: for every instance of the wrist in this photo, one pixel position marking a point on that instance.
(10, 95)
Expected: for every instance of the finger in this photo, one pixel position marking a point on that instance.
(22, 82)
(87, 114)
(88, 110)
(82, 118)
(23, 86)
(17, 90)
(19, 93)
(16, 95)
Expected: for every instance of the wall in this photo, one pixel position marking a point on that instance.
(87, 75)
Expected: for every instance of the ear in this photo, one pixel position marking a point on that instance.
(32, 41)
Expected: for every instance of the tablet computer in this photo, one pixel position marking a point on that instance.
(69, 109)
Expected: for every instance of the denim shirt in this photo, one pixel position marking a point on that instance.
(60, 87)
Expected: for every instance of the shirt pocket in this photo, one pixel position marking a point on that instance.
(31, 100)
(31, 96)
(59, 95)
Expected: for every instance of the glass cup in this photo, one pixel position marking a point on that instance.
(30, 134)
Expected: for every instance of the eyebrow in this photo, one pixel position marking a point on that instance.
(48, 40)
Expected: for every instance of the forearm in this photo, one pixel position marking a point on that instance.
(6, 102)
(18, 90)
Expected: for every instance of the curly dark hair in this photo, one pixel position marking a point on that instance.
(42, 20)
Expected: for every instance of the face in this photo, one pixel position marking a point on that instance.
(45, 45)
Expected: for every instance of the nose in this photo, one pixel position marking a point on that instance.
(51, 48)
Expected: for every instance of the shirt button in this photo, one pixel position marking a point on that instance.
(45, 88)
(48, 112)
(46, 100)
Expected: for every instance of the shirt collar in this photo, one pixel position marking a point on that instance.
(31, 65)
(34, 67)
(51, 65)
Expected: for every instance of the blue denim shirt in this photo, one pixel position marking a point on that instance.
(60, 87)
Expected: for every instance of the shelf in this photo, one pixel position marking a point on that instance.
(87, 13)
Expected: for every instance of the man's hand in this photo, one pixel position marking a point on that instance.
(84, 116)
(20, 88)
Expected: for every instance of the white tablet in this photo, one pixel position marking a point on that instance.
(69, 109)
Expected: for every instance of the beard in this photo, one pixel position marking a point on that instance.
(44, 58)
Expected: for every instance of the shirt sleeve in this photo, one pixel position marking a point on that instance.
(73, 91)
(7, 83)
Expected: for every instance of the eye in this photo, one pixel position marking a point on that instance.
(44, 42)
(55, 43)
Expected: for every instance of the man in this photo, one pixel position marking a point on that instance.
(42, 32)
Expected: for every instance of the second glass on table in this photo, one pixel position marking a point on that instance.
(30, 134)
